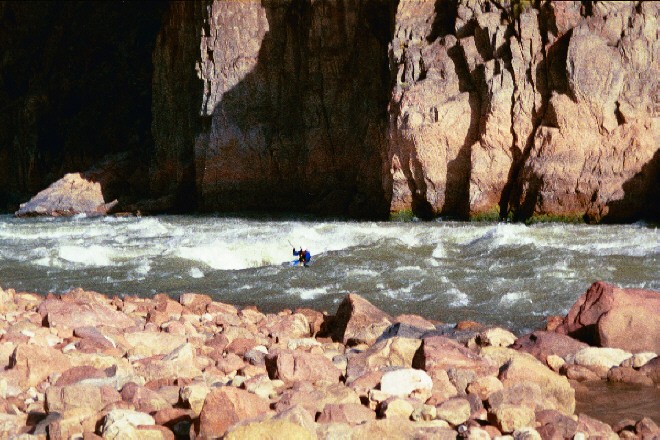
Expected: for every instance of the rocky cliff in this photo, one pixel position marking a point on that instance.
(496, 109)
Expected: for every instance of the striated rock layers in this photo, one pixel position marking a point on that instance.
(549, 112)
(443, 108)
(458, 108)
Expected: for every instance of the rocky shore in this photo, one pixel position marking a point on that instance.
(83, 365)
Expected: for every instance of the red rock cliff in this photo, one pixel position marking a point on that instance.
(455, 108)
(360, 108)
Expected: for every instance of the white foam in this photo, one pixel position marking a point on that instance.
(307, 294)
(408, 268)
(195, 272)
(514, 297)
(460, 298)
(439, 251)
(363, 272)
(223, 256)
(94, 255)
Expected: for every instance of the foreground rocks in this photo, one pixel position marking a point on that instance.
(84, 365)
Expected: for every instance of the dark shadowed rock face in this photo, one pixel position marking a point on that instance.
(455, 108)
(75, 86)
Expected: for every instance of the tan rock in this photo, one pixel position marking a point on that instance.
(288, 327)
(226, 406)
(299, 416)
(314, 398)
(484, 386)
(269, 430)
(496, 337)
(195, 302)
(72, 194)
(395, 407)
(358, 321)
(195, 395)
(77, 313)
(145, 344)
(601, 357)
(455, 410)
(122, 423)
(511, 417)
(64, 398)
(405, 381)
(38, 362)
(556, 389)
(73, 422)
(391, 352)
(295, 366)
(439, 352)
(143, 399)
(351, 413)
(591, 428)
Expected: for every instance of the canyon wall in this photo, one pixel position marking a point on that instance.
(507, 110)
(360, 108)
(75, 93)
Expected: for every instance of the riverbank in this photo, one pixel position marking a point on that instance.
(84, 364)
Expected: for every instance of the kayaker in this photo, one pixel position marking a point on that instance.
(303, 256)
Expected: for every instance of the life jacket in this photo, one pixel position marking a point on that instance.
(301, 255)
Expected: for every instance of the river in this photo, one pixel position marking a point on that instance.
(510, 275)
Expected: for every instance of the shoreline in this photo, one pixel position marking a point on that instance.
(85, 364)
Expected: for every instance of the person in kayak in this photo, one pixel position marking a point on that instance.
(303, 256)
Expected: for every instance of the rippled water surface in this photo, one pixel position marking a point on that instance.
(506, 274)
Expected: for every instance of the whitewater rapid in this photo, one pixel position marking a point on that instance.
(497, 273)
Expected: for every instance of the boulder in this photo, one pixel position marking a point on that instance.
(314, 398)
(296, 366)
(405, 381)
(145, 344)
(269, 430)
(64, 398)
(652, 369)
(124, 423)
(599, 357)
(358, 321)
(143, 399)
(553, 424)
(542, 344)
(522, 369)
(484, 386)
(609, 316)
(510, 417)
(439, 352)
(37, 363)
(226, 406)
(80, 313)
(391, 352)
(628, 375)
(455, 411)
(288, 326)
(351, 413)
(496, 337)
(593, 428)
(71, 195)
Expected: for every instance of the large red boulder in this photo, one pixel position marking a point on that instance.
(358, 321)
(609, 316)
(226, 406)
